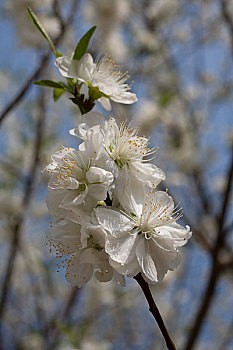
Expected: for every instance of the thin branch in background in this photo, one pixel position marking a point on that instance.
(216, 268)
(13, 170)
(54, 330)
(228, 20)
(154, 310)
(42, 63)
(20, 217)
(23, 90)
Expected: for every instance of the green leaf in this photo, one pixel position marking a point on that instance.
(51, 83)
(57, 93)
(82, 45)
(39, 26)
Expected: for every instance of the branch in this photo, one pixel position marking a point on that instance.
(216, 268)
(155, 311)
(28, 189)
(19, 96)
(20, 217)
(41, 66)
(55, 330)
(13, 170)
(228, 20)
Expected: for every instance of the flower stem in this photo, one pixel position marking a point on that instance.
(155, 311)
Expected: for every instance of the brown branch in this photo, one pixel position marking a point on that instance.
(227, 264)
(155, 311)
(13, 170)
(228, 20)
(20, 217)
(216, 268)
(55, 330)
(41, 66)
(28, 188)
(221, 235)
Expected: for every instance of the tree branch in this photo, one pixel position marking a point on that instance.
(216, 268)
(20, 217)
(28, 189)
(155, 311)
(41, 66)
(54, 331)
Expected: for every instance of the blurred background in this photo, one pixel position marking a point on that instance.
(180, 56)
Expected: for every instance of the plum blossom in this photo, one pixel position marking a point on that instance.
(76, 174)
(104, 75)
(125, 148)
(144, 236)
(82, 252)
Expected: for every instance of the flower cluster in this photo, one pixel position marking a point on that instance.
(109, 219)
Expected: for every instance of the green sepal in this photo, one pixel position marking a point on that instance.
(57, 93)
(95, 93)
(39, 26)
(71, 83)
(82, 45)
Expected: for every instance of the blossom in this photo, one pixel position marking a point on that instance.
(78, 175)
(104, 75)
(125, 148)
(82, 252)
(144, 236)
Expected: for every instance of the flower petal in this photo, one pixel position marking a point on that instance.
(175, 234)
(156, 260)
(130, 192)
(113, 221)
(125, 97)
(122, 249)
(145, 260)
(148, 173)
(95, 174)
(105, 273)
(53, 201)
(78, 274)
(92, 119)
(104, 101)
(67, 67)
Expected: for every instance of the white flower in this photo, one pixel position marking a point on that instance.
(105, 75)
(125, 148)
(82, 252)
(76, 174)
(145, 237)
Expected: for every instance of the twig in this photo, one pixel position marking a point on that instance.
(155, 311)
(13, 170)
(228, 20)
(42, 64)
(55, 331)
(28, 189)
(19, 96)
(221, 235)
(19, 218)
(216, 268)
